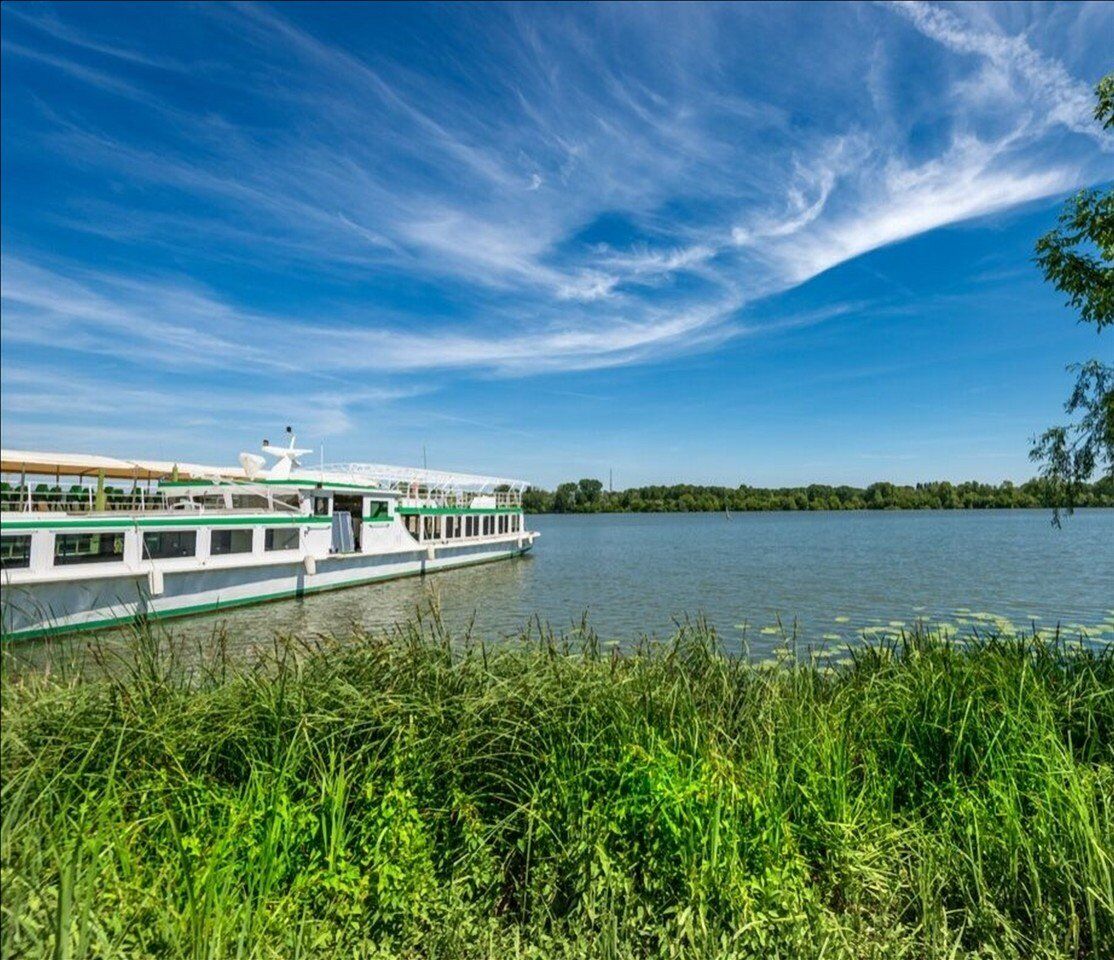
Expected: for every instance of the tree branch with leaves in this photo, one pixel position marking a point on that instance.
(1077, 258)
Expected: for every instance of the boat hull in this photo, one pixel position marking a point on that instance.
(58, 607)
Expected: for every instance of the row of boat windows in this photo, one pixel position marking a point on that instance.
(248, 501)
(376, 509)
(15, 551)
(452, 527)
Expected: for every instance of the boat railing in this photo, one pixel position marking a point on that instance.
(78, 498)
(51, 494)
(87, 501)
(462, 500)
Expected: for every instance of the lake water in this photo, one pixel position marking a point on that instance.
(835, 575)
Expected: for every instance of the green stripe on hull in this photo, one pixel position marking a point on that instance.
(220, 605)
(101, 523)
(104, 524)
(460, 511)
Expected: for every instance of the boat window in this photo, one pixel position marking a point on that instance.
(88, 547)
(320, 506)
(15, 552)
(249, 501)
(412, 523)
(169, 544)
(377, 510)
(230, 541)
(282, 538)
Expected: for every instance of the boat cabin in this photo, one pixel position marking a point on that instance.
(172, 514)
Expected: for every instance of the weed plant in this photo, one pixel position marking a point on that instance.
(417, 794)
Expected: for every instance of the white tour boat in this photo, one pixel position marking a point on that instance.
(178, 539)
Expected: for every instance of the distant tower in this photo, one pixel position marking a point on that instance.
(610, 480)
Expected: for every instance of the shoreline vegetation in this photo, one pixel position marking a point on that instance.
(422, 794)
(590, 496)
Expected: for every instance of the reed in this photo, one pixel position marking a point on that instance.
(427, 795)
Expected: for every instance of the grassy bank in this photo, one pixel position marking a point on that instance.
(420, 795)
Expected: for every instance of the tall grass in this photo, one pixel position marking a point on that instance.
(416, 794)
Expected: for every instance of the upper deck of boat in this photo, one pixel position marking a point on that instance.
(68, 484)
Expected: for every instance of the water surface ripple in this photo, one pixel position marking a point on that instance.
(834, 574)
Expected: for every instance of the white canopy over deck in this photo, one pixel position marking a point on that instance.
(378, 475)
(38, 463)
(403, 479)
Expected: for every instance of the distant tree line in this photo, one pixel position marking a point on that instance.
(589, 496)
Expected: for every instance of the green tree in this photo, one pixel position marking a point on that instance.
(1077, 258)
(969, 495)
(588, 491)
(564, 500)
(537, 501)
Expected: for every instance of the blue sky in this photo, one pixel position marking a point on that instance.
(766, 244)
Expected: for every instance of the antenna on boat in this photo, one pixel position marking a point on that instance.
(286, 458)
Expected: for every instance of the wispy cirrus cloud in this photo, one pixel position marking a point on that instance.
(898, 199)
(45, 21)
(169, 325)
(564, 189)
(1038, 84)
(79, 71)
(77, 407)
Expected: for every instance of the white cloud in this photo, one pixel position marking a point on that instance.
(595, 211)
(166, 324)
(73, 408)
(45, 20)
(643, 261)
(1048, 90)
(807, 192)
(898, 200)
